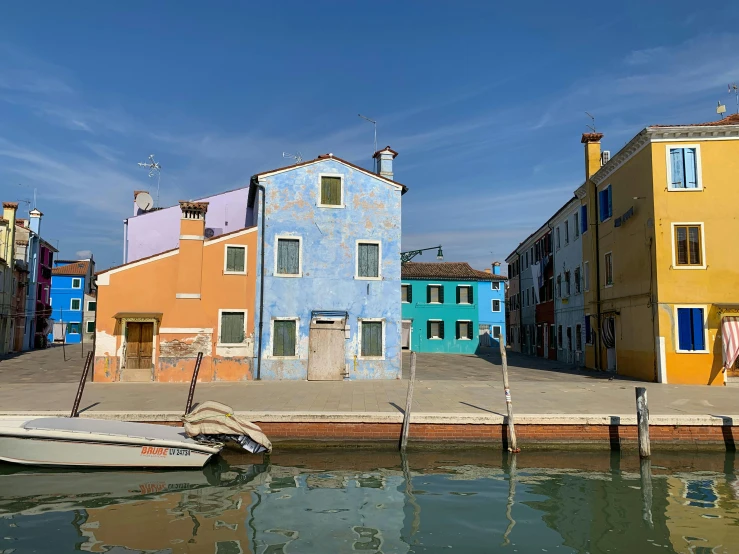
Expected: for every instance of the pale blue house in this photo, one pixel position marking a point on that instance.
(491, 304)
(328, 283)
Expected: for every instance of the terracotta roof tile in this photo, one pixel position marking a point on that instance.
(732, 119)
(74, 268)
(447, 271)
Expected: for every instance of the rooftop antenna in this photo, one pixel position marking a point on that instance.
(154, 169)
(374, 165)
(34, 193)
(592, 119)
(297, 157)
(733, 87)
(720, 110)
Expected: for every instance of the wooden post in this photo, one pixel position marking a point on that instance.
(408, 403)
(513, 447)
(645, 473)
(642, 421)
(83, 381)
(194, 380)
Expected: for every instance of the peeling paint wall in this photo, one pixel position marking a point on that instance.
(329, 235)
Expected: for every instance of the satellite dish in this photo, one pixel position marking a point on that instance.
(144, 201)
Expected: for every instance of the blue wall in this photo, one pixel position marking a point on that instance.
(420, 312)
(329, 235)
(486, 294)
(62, 294)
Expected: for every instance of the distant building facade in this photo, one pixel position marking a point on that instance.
(492, 309)
(7, 270)
(513, 301)
(71, 280)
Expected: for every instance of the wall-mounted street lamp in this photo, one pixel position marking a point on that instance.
(408, 256)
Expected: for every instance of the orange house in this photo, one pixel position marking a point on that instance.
(155, 314)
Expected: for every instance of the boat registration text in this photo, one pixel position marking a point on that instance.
(160, 452)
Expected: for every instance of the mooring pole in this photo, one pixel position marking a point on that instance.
(83, 381)
(509, 405)
(645, 474)
(194, 381)
(642, 421)
(408, 403)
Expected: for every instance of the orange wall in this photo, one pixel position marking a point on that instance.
(151, 286)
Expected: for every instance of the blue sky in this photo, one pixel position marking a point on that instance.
(484, 103)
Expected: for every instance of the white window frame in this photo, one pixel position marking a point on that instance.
(88, 309)
(674, 249)
(271, 345)
(401, 292)
(698, 167)
(318, 200)
(676, 329)
(225, 258)
(360, 321)
(456, 328)
(439, 303)
(606, 285)
(300, 255)
(379, 260)
(586, 276)
(494, 285)
(437, 321)
(79, 282)
(500, 331)
(87, 325)
(71, 303)
(220, 321)
(492, 305)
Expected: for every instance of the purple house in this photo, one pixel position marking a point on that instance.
(154, 231)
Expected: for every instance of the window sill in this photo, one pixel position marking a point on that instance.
(692, 352)
(288, 275)
(331, 206)
(681, 267)
(464, 303)
(230, 344)
(371, 358)
(359, 278)
(681, 189)
(436, 338)
(273, 357)
(463, 338)
(234, 272)
(608, 286)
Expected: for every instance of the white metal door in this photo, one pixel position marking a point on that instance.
(326, 357)
(406, 336)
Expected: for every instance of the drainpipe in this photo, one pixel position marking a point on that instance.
(255, 182)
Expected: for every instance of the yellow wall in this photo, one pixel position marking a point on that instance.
(151, 285)
(715, 286)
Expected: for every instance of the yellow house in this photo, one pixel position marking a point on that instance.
(661, 275)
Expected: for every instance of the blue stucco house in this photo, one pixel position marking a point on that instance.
(328, 277)
(71, 280)
(441, 306)
(491, 304)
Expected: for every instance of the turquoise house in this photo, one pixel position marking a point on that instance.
(440, 306)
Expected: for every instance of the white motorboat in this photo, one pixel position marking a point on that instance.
(61, 441)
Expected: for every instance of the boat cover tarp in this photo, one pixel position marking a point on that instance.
(217, 421)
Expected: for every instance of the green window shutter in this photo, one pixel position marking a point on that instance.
(428, 294)
(471, 298)
(283, 343)
(288, 256)
(371, 338)
(459, 294)
(441, 294)
(232, 327)
(91, 306)
(458, 330)
(331, 191)
(428, 329)
(410, 293)
(441, 329)
(469, 331)
(368, 263)
(235, 259)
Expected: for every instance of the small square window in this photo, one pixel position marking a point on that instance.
(90, 326)
(496, 305)
(464, 330)
(464, 295)
(371, 339)
(288, 256)
(284, 337)
(683, 169)
(688, 245)
(691, 330)
(235, 261)
(435, 329)
(331, 191)
(91, 306)
(495, 285)
(76, 283)
(406, 293)
(434, 294)
(232, 327)
(73, 328)
(368, 260)
(496, 331)
(75, 304)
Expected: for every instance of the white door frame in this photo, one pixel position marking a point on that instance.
(410, 333)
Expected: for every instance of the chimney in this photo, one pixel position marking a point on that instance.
(35, 224)
(592, 152)
(487, 270)
(192, 229)
(9, 212)
(385, 159)
(496, 268)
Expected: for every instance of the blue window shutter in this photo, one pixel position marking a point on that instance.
(691, 180)
(583, 219)
(698, 335)
(684, 331)
(601, 206)
(610, 201)
(676, 165)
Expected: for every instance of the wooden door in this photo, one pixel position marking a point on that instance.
(326, 350)
(139, 345)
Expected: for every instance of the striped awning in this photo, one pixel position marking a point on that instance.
(730, 340)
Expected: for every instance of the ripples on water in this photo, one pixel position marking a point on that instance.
(372, 502)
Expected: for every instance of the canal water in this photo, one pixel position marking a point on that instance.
(336, 501)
